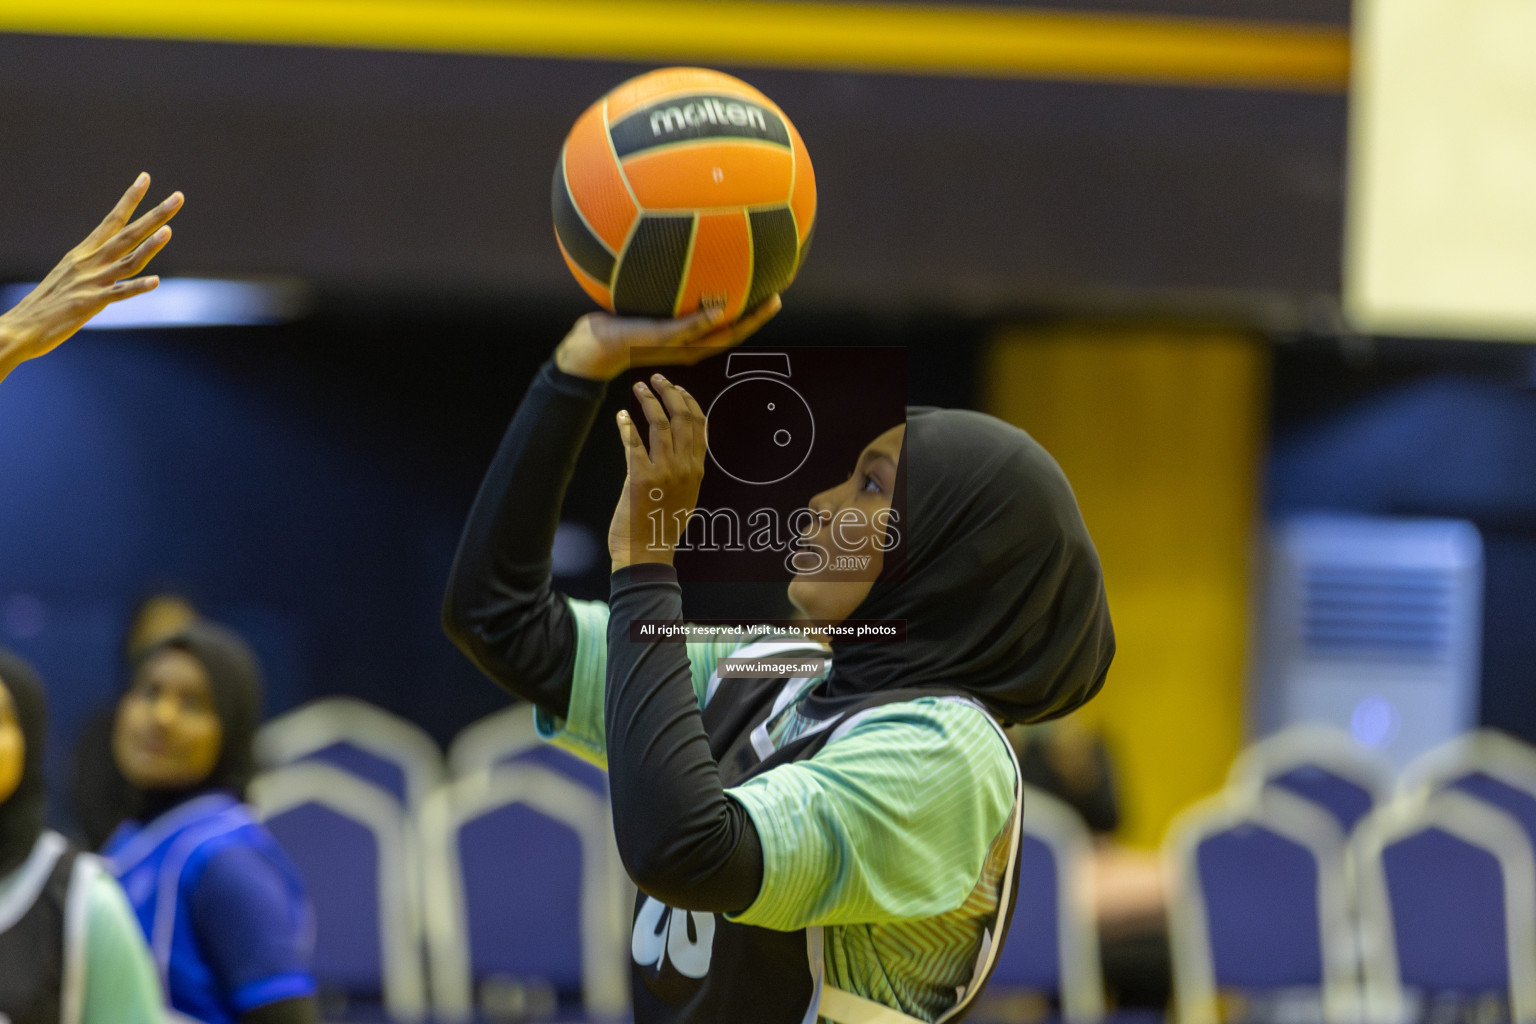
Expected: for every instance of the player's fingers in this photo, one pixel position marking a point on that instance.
(655, 413)
(648, 332)
(139, 258)
(732, 334)
(678, 413)
(135, 233)
(634, 448)
(701, 423)
(660, 440)
(167, 208)
(119, 214)
(131, 287)
(697, 324)
(748, 325)
(693, 326)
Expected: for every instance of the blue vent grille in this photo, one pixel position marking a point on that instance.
(1377, 612)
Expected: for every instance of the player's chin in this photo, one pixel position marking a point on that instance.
(825, 598)
(807, 595)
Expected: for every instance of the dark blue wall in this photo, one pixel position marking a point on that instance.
(132, 459)
(1417, 429)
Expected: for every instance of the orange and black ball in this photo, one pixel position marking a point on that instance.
(680, 188)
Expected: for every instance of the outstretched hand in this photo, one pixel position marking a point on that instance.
(661, 485)
(601, 346)
(94, 273)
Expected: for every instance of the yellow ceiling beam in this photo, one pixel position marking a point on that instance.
(992, 42)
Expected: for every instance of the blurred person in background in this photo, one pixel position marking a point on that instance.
(228, 921)
(99, 795)
(50, 892)
(1072, 762)
(94, 273)
(157, 616)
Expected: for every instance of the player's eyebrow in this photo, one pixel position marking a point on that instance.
(878, 456)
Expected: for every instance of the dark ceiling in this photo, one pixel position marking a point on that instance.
(427, 174)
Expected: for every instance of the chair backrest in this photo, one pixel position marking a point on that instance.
(1257, 903)
(520, 886)
(353, 848)
(1447, 885)
(511, 737)
(1317, 763)
(357, 737)
(1485, 763)
(1052, 943)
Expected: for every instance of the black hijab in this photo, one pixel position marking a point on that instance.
(234, 676)
(21, 815)
(994, 574)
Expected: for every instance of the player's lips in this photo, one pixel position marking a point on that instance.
(810, 543)
(151, 745)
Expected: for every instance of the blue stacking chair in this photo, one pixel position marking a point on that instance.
(351, 843)
(509, 737)
(1257, 906)
(1052, 944)
(522, 911)
(1487, 764)
(1317, 763)
(355, 736)
(1447, 884)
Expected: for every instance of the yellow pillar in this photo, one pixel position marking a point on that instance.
(1160, 431)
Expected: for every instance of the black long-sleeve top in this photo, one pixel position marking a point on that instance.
(680, 837)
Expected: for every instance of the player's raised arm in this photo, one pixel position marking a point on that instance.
(499, 608)
(98, 271)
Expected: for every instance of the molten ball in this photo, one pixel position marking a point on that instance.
(681, 188)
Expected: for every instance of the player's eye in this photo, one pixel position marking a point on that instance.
(871, 480)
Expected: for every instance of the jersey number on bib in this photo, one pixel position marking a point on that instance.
(661, 932)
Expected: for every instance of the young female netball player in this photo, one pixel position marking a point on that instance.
(224, 909)
(70, 949)
(843, 846)
(89, 277)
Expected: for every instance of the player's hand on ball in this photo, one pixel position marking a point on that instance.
(94, 273)
(661, 486)
(601, 346)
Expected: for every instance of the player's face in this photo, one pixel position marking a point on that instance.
(847, 531)
(13, 745)
(168, 732)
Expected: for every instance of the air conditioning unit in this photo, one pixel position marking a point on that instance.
(1373, 625)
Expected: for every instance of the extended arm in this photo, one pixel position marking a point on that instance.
(681, 838)
(499, 608)
(94, 273)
